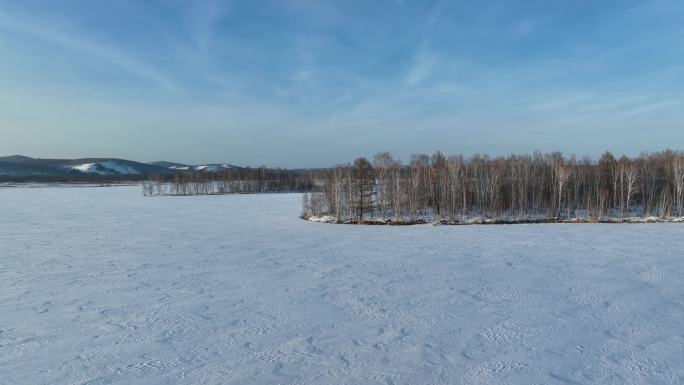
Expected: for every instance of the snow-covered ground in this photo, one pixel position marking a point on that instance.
(105, 286)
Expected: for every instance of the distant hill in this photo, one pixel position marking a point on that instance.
(171, 165)
(22, 166)
(18, 167)
(212, 167)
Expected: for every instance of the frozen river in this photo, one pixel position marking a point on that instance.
(105, 286)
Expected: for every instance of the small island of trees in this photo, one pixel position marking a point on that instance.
(514, 189)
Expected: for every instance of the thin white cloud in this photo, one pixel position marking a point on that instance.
(561, 102)
(422, 67)
(202, 19)
(522, 28)
(637, 46)
(110, 55)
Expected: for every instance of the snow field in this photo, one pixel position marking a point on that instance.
(105, 286)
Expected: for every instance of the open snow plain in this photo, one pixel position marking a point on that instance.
(104, 286)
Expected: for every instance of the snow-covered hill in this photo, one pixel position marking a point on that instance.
(106, 167)
(18, 166)
(212, 167)
(22, 166)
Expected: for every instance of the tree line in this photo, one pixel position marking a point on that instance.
(539, 185)
(231, 181)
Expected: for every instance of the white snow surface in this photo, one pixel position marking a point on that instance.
(212, 167)
(87, 167)
(105, 168)
(105, 286)
(204, 167)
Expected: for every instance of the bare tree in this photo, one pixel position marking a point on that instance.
(562, 175)
(630, 172)
(383, 164)
(678, 181)
(363, 187)
(438, 187)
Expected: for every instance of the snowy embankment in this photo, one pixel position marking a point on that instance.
(104, 286)
(501, 220)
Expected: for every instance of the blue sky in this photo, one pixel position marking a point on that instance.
(300, 83)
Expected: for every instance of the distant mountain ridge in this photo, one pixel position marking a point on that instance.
(19, 166)
(212, 167)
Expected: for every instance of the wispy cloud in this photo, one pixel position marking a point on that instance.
(634, 46)
(311, 72)
(522, 28)
(75, 42)
(422, 66)
(201, 21)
